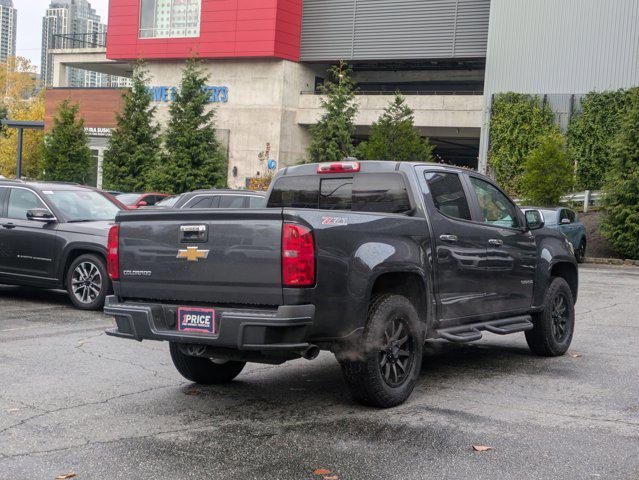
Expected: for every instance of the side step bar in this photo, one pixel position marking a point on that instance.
(472, 332)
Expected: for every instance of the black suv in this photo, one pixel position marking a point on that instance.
(54, 235)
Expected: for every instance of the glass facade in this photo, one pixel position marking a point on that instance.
(170, 18)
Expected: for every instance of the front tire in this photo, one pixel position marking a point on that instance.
(390, 358)
(203, 370)
(87, 282)
(554, 326)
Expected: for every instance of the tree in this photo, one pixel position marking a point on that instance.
(193, 157)
(517, 124)
(393, 136)
(547, 171)
(20, 102)
(621, 188)
(134, 146)
(66, 155)
(333, 134)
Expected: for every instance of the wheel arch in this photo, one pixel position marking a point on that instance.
(567, 271)
(76, 251)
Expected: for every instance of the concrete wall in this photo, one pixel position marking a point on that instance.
(262, 103)
(431, 111)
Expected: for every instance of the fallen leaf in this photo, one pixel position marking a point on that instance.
(481, 448)
(66, 475)
(334, 477)
(192, 392)
(322, 471)
(13, 410)
(575, 355)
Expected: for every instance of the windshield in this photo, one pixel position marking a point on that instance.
(550, 217)
(168, 202)
(83, 205)
(128, 198)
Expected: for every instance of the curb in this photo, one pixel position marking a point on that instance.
(612, 261)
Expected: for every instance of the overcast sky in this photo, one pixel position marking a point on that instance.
(30, 13)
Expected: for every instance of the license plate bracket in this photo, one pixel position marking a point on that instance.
(197, 320)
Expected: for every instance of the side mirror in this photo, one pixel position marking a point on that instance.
(41, 215)
(142, 204)
(565, 221)
(534, 219)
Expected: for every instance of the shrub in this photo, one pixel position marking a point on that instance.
(517, 124)
(621, 188)
(548, 173)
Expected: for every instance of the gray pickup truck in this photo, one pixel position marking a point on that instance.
(365, 259)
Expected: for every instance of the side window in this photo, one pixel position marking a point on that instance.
(232, 201)
(496, 209)
(201, 202)
(20, 201)
(448, 194)
(151, 199)
(572, 216)
(257, 202)
(383, 192)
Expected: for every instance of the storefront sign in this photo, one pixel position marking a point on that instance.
(167, 94)
(98, 131)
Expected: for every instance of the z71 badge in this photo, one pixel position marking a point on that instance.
(334, 221)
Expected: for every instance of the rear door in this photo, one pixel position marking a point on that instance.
(460, 250)
(29, 247)
(511, 251)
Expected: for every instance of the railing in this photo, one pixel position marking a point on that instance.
(405, 92)
(586, 199)
(78, 40)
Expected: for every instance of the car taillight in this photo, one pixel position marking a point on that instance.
(113, 263)
(341, 167)
(298, 256)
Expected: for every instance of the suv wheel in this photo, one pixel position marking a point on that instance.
(390, 359)
(554, 326)
(88, 282)
(204, 370)
(580, 253)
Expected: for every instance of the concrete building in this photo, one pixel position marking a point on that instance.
(266, 58)
(8, 26)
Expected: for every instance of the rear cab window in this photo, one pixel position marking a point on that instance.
(369, 192)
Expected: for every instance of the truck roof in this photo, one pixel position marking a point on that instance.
(369, 166)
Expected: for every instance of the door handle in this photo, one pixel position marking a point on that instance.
(448, 238)
(495, 242)
(9, 225)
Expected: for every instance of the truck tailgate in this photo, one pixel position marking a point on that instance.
(205, 256)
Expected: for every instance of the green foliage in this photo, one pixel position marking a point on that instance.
(621, 188)
(548, 173)
(193, 157)
(134, 146)
(333, 134)
(393, 136)
(66, 155)
(590, 133)
(4, 113)
(517, 124)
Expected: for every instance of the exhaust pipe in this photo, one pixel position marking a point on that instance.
(311, 352)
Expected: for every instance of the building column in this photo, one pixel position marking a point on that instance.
(60, 73)
(100, 163)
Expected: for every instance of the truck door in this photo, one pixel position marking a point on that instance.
(511, 251)
(460, 251)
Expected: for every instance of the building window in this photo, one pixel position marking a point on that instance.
(170, 18)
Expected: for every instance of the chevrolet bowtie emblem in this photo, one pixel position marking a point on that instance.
(192, 254)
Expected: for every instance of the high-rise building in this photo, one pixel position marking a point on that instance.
(70, 24)
(8, 24)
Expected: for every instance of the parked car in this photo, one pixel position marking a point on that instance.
(567, 222)
(222, 199)
(364, 259)
(137, 200)
(54, 235)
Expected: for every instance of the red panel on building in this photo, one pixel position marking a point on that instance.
(228, 29)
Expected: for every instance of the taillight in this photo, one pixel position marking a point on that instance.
(113, 263)
(341, 167)
(298, 256)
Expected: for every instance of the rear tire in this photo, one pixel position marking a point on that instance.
(88, 282)
(390, 357)
(580, 253)
(555, 325)
(202, 370)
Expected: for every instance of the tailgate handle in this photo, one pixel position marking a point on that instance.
(193, 233)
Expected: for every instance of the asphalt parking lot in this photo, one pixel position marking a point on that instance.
(74, 400)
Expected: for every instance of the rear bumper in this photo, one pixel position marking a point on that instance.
(282, 329)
